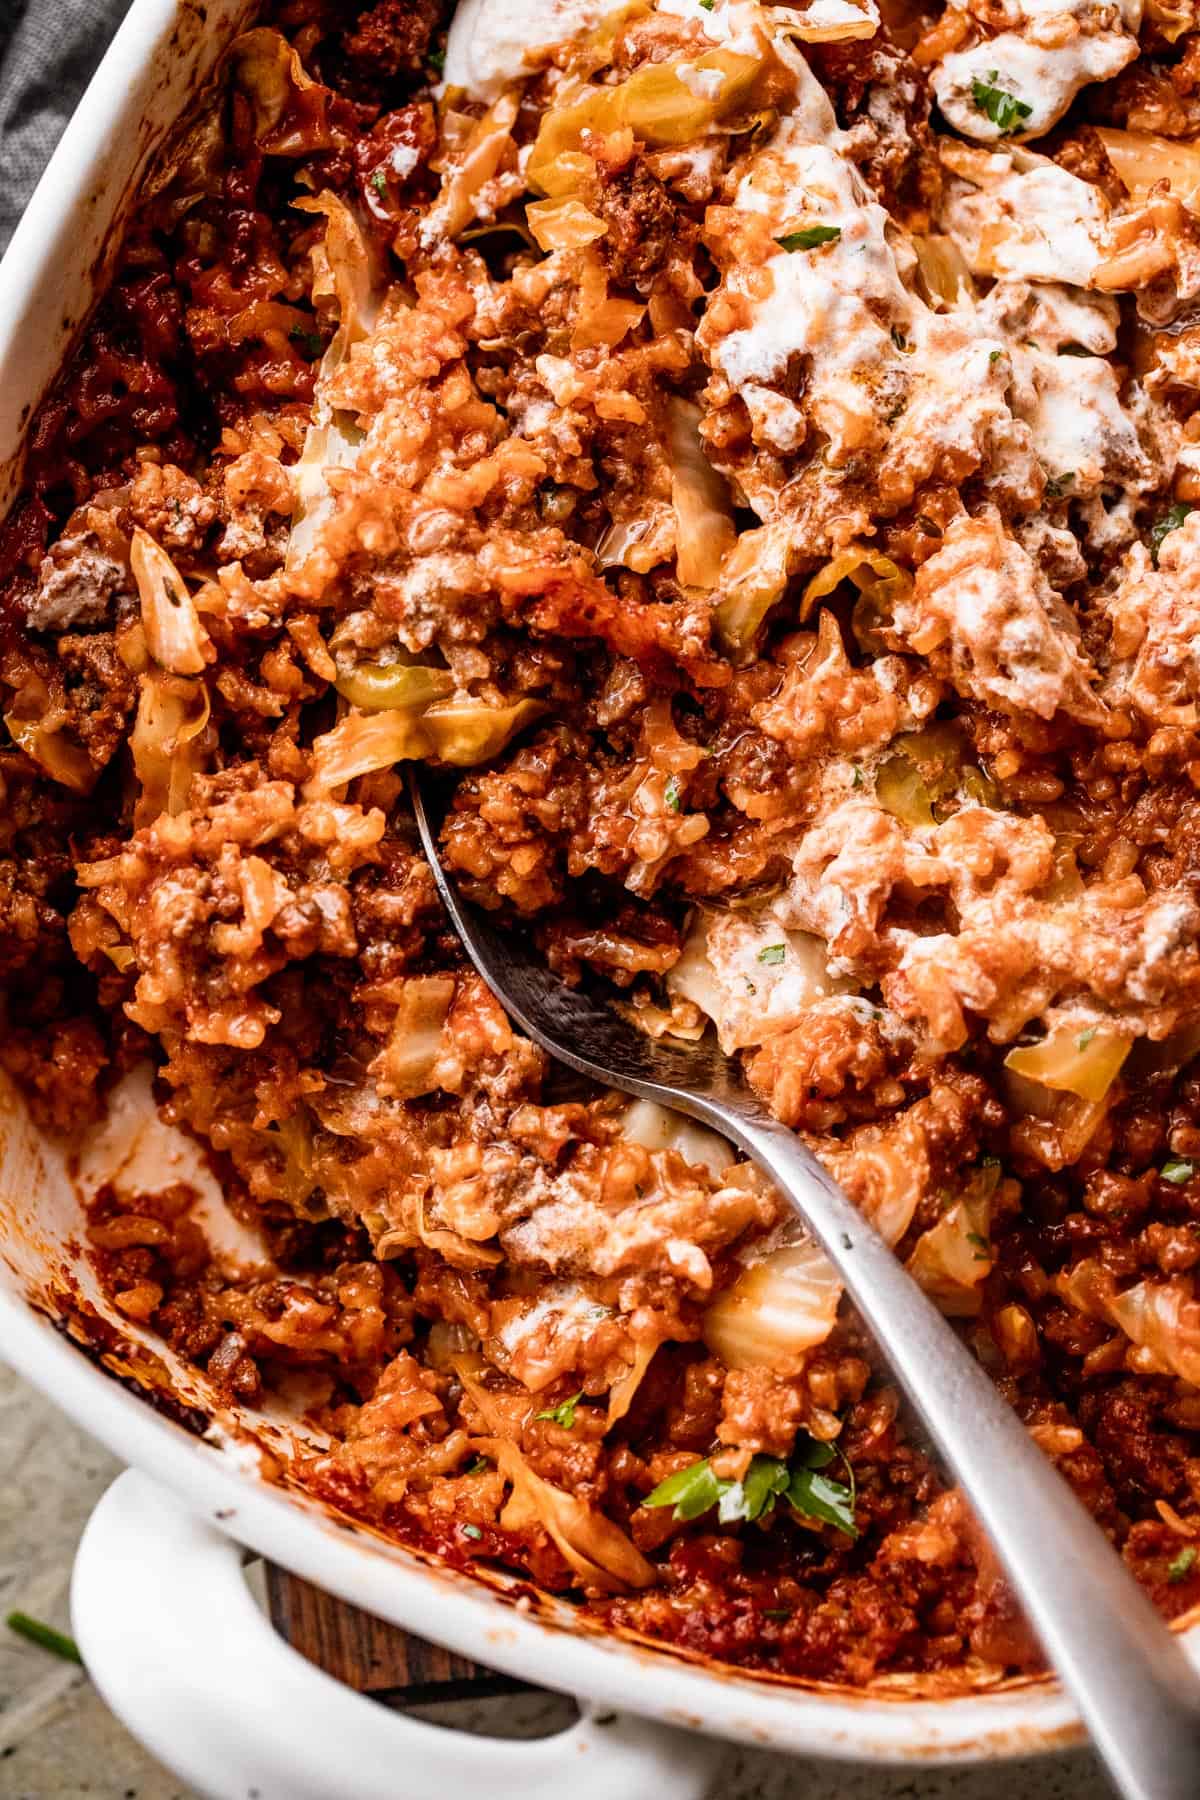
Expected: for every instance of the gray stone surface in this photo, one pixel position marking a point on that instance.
(59, 1742)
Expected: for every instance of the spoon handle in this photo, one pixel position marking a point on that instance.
(1127, 1674)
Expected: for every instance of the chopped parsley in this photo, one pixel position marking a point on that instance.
(45, 1636)
(809, 236)
(437, 60)
(1085, 1038)
(1176, 1171)
(772, 953)
(859, 780)
(564, 1413)
(693, 1491)
(1057, 485)
(472, 1531)
(1162, 528)
(1180, 1567)
(1002, 108)
(707, 5)
(480, 1466)
(994, 357)
(379, 183)
(310, 343)
(673, 795)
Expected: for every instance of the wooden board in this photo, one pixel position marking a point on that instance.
(376, 1659)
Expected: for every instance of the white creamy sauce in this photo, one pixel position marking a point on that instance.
(1072, 406)
(1044, 80)
(491, 41)
(1043, 224)
(820, 302)
(751, 975)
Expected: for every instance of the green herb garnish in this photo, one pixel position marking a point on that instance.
(994, 357)
(310, 343)
(1171, 520)
(772, 953)
(673, 795)
(564, 1413)
(1180, 1567)
(1002, 108)
(1057, 485)
(472, 1531)
(1176, 1171)
(809, 236)
(695, 1490)
(45, 1636)
(708, 5)
(480, 1466)
(437, 60)
(379, 183)
(859, 779)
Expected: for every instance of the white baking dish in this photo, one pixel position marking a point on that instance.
(166, 1625)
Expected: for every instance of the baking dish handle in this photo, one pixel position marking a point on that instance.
(173, 1639)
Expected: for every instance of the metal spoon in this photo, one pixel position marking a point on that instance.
(1128, 1675)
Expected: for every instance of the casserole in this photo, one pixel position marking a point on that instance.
(1017, 1716)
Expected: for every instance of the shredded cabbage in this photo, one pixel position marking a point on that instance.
(166, 743)
(404, 1068)
(460, 732)
(952, 1259)
(1163, 1319)
(704, 529)
(352, 280)
(175, 637)
(753, 578)
(388, 687)
(658, 103)
(597, 1550)
(1142, 160)
(776, 1310)
(52, 750)
(563, 224)
(1076, 1057)
(271, 75)
(945, 278)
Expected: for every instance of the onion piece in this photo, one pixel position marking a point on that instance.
(175, 637)
(776, 1309)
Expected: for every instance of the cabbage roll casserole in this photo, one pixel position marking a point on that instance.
(752, 451)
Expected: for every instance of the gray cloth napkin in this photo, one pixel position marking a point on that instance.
(48, 52)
